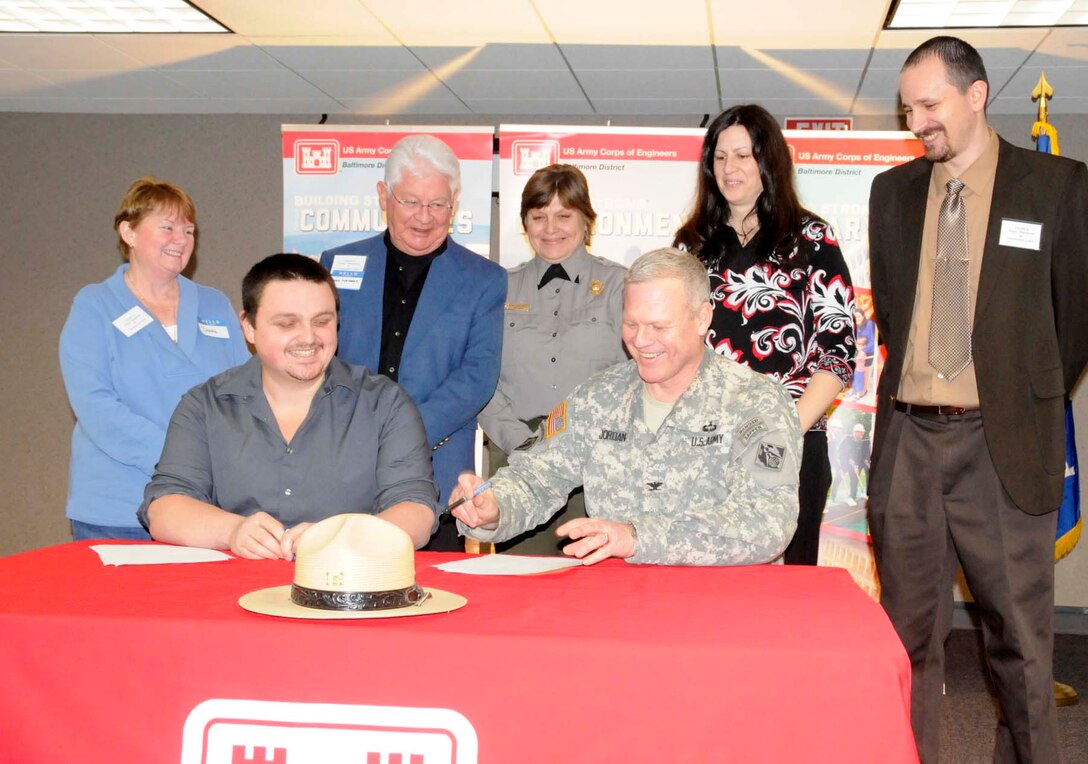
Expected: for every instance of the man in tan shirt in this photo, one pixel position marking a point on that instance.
(968, 455)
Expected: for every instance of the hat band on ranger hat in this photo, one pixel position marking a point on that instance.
(322, 599)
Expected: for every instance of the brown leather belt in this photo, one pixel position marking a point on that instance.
(928, 410)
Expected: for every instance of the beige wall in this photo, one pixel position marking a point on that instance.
(62, 177)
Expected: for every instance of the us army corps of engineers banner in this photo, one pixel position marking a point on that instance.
(642, 185)
(331, 173)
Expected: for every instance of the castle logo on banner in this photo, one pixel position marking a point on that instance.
(530, 156)
(317, 157)
(222, 731)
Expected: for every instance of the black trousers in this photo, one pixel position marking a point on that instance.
(804, 549)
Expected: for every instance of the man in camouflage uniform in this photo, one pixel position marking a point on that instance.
(687, 458)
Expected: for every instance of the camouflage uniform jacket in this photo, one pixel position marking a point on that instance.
(716, 485)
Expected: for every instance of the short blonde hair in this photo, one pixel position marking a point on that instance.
(672, 263)
(146, 195)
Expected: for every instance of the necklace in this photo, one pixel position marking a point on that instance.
(172, 306)
(744, 235)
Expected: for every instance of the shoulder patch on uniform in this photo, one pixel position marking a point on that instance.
(522, 306)
(750, 429)
(770, 457)
(557, 421)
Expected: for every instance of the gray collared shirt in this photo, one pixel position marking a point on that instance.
(554, 338)
(361, 448)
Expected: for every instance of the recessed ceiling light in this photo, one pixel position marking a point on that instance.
(104, 16)
(974, 14)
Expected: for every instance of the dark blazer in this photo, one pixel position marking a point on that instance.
(451, 358)
(1030, 336)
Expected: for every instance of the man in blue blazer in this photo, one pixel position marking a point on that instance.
(423, 310)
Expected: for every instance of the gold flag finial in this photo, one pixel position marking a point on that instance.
(1042, 92)
(1046, 137)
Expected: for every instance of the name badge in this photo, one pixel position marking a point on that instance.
(347, 271)
(213, 327)
(1020, 234)
(132, 321)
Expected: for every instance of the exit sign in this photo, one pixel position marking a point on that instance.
(819, 123)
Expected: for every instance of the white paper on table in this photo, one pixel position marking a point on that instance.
(508, 565)
(154, 554)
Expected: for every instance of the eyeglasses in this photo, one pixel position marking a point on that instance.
(414, 205)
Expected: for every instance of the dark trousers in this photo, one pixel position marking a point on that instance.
(935, 501)
(804, 549)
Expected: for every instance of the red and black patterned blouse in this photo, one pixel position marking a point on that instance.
(785, 321)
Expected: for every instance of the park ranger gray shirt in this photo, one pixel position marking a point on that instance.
(553, 339)
(716, 485)
(361, 448)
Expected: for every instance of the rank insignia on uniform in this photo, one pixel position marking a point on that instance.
(654, 485)
(770, 456)
(596, 287)
(520, 306)
(557, 421)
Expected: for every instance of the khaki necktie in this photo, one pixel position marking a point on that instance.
(950, 328)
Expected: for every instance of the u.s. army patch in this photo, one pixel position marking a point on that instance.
(770, 457)
(557, 421)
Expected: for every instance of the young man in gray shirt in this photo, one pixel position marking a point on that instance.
(255, 455)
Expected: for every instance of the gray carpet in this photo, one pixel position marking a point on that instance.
(969, 721)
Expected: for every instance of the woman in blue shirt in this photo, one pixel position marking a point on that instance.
(131, 347)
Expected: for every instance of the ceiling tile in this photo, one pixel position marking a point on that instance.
(627, 22)
(335, 53)
(1062, 47)
(685, 106)
(769, 24)
(801, 107)
(427, 105)
(258, 84)
(514, 84)
(876, 106)
(128, 85)
(15, 82)
(834, 83)
(372, 84)
(69, 51)
(881, 83)
(537, 56)
(639, 56)
(733, 57)
(529, 106)
(190, 51)
(468, 23)
(284, 106)
(293, 18)
(649, 84)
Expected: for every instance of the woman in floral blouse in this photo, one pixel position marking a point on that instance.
(783, 302)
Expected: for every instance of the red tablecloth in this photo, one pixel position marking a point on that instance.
(611, 663)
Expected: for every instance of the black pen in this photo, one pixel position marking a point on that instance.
(479, 489)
